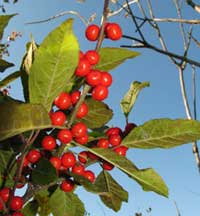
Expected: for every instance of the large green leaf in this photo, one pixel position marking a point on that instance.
(17, 118)
(4, 65)
(114, 194)
(54, 64)
(163, 133)
(4, 19)
(31, 208)
(99, 114)
(130, 97)
(147, 178)
(44, 173)
(66, 204)
(10, 78)
(111, 57)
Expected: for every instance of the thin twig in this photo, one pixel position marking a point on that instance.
(177, 209)
(194, 6)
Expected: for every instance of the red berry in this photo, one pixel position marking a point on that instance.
(17, 214)
(75, 95)
(115, 139)
(81, 54)
(68, 159)
(82, 111)
(19, 185)
(106, 79)
(65, 136)
(78, 169)
(67, 185)
(129, 127)
(56, 162)
(49, 143)
(33, 156)
(1, 206)
(92, 56)
(79, 129)
(113, 31)
(92, 32)
(82, 140)
(16, 203)
(58, 118)
(4, 194)
(103, 143)
(89, 175)
(83, 68)
(63, 101)
(92, 156)
(107, 166)
(114, 131)
(83, 157)
(94, 78)
(121, 150)
(100, 92)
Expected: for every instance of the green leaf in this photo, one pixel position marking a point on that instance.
(112, 194)
(30, 208)
(163, 133)
(4, 19)
(66, 204)
(111, 57)
(42, 198)
(130, 97)
(4, 65)
(10, 78)
(44, 173)
(7, 168)
(17, 118)
(147, 178)
(99, 114)
(54, 64)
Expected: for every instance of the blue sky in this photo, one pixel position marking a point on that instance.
(162, 99)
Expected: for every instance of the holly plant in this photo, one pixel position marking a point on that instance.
(49, 141)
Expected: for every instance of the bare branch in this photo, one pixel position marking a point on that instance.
(194, 6)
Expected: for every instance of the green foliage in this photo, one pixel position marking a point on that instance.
(99, 114)
(17, 118)
(130, 97)
(4, 20)
(54, 64)
(31, 208)
(10, 78)
(44, 173)
(4, 65)
(112, 57)
(163, 133)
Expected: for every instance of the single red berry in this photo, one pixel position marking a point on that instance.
(113, 31)
(121, 150)
(83, 68)
(92, 32)
(65, 136)
(4, 193)
(115, 139)
(129, 127)
(17, 214)
(16, 203)
(67, 185)
(93, 78)
(33, 156)
(58, 118)
(63, 101)
(92, 56)
(106, 79)
(78, 169)
(68, 159)
(107, 166)
(114, 131)
(81, 54)
(92, 156)
(1, 206)
(79, 129)
(20, 185)
(103, 143)
(56, 162)
(49, 143)
(100, 92)
(82, 111)
(89, 175)
(82, 140)
(75, 95)
(83, 157)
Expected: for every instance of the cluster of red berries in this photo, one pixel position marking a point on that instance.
(15, 204)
